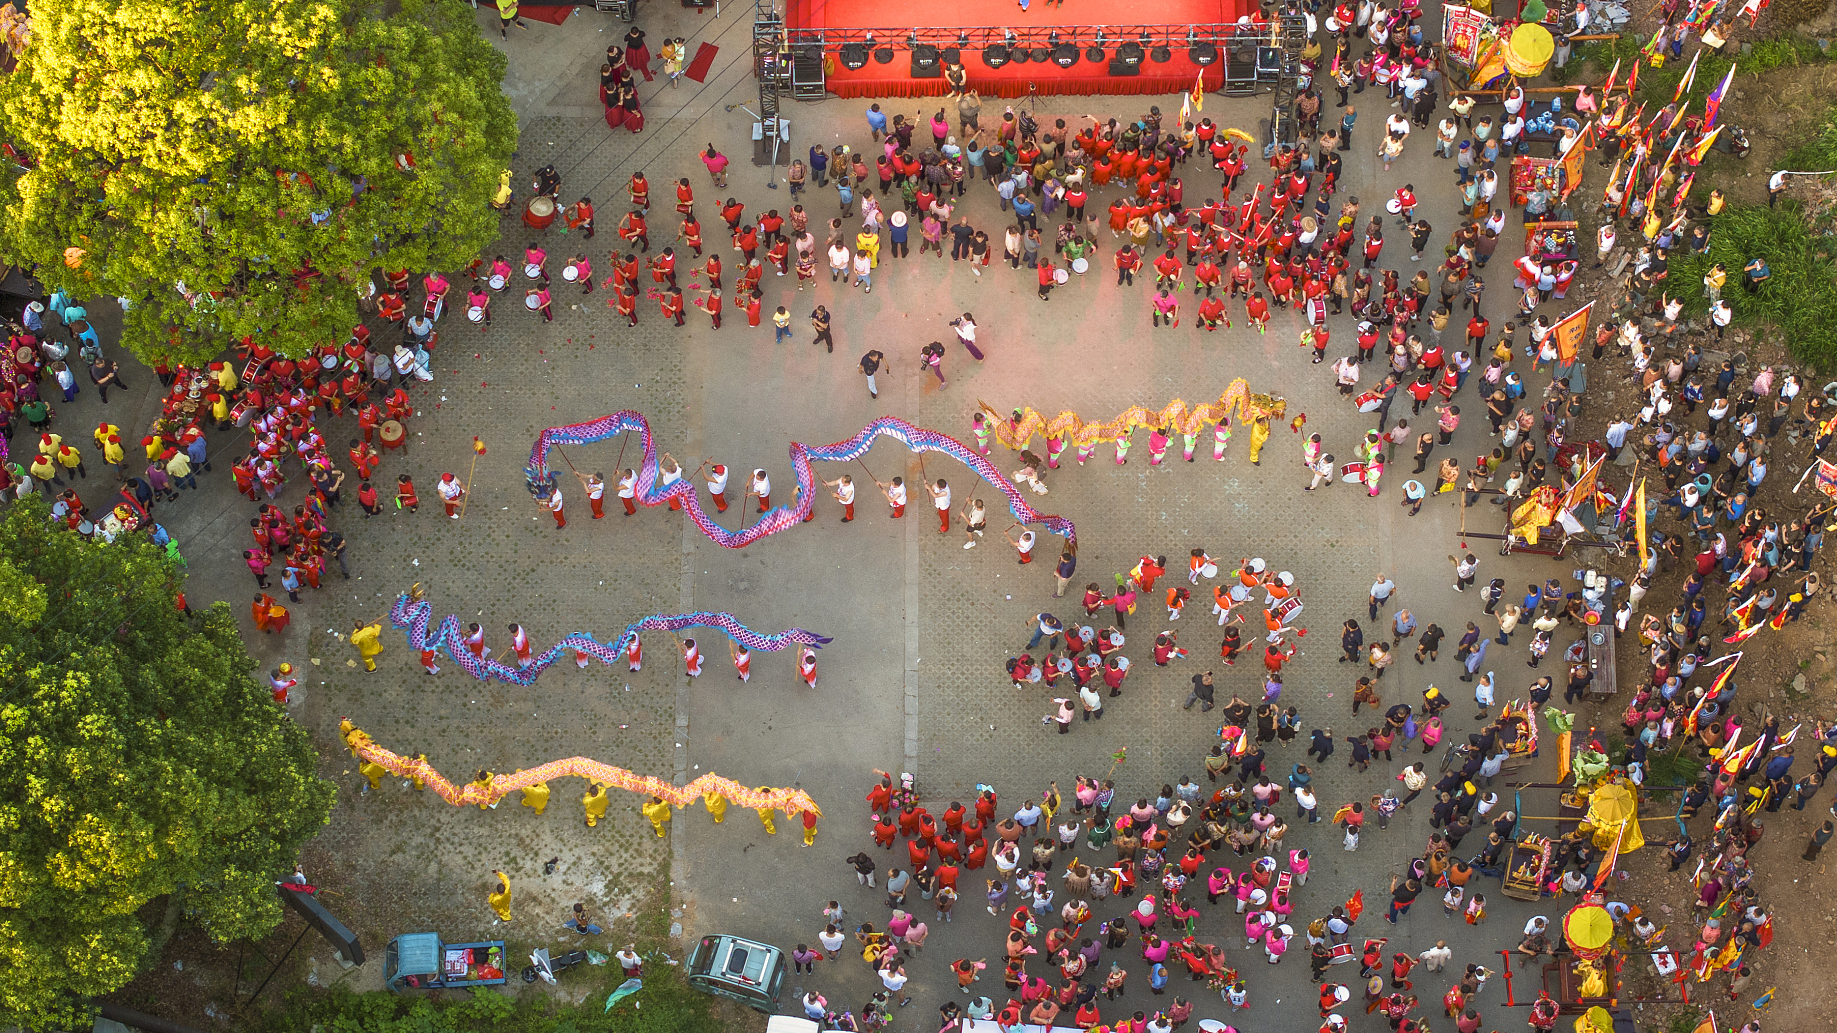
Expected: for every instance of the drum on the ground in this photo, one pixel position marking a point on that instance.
(392, 433)
(540, 212)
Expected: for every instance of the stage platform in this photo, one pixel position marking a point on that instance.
(889, 71)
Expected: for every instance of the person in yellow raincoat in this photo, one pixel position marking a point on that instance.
(1259, 433)
(372, 771)
(364, 637)
(765, 814)
(499, 899)
(537, 796)
(658, 811)
(483, 781)
(420, 762)
(594, 800)
(716, 804)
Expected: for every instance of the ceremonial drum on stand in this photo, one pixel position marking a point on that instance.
(540, 212)
(394, 435)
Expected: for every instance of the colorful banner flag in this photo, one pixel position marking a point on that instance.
(1696, 154)
(1574, 164)
(1690, 76)
(1677, 200)
(1633, 79)
(1583, 490)
(1626, 194)
(1827, 477)
(1607, 88)
(1570, 332)
(1714, 100)
(1607, 862)
(1199, 92)
(1462, 30)
(1639, 519)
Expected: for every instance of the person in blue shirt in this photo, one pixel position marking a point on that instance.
(1023, 212)
(819, 165)
(847, 195)
(876, 121)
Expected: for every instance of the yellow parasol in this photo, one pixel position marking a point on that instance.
(1609, 808)
(1588, 929)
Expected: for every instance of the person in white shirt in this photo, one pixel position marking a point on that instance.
(838, 261)
(451, 491)
(1436, 957)
(717, 486)
(628, 490)
(761, 487)
(595, 487)
(896, 495)
(940, 497)
(845, 494)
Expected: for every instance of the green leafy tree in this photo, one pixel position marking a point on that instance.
(238, 167)
(139, 760)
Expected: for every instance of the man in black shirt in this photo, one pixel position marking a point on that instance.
(1202, 692)
(870, 365)
(1403, 894)
(1430, 643)
(960, 236)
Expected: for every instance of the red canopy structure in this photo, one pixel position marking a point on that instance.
(899, 48)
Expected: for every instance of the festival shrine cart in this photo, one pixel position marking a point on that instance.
(1528, 867)
(1517, 734)
(1589, 977)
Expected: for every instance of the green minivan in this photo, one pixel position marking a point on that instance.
(738, 969)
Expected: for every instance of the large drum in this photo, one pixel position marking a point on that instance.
(540, 212)
(394, 435)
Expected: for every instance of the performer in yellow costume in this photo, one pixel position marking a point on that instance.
(364, 637)
(499, 899)
(716, 804)
(595, 801)
(536, 796)
(658, 812)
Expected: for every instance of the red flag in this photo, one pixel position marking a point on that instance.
(1356, 906)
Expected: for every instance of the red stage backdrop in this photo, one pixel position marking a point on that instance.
(1123, 22)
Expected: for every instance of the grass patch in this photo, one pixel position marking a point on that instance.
(669, 1006)
(1796, 301)
(1656, 85)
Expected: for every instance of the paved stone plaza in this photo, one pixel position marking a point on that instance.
(914, 679)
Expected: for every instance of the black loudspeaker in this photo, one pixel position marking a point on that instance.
(1118, 66)
(1161, 55)
(1065, 55)
(995, 56)
(1202, 54)
(1041, 55)
(1020, 55)
(1130, 53)
(951, 55)
(854, 56)
(884, 56)
(925, 62)
(1094, 55)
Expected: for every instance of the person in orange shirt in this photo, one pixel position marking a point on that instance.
(269, 615)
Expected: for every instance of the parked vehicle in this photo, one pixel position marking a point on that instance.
(422, 961)
(742, 970)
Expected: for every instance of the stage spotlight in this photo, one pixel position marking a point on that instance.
(1020, 55)
(1145, 39)
(884, 55)
(1065, 55)
(1161, 55)
(951, 55)
(1202, 54)
(1094, 55)
(995, 55)
(1130, 53)
(854, 56)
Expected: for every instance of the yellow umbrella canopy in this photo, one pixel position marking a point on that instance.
(1588, 928)
(1610, 805)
